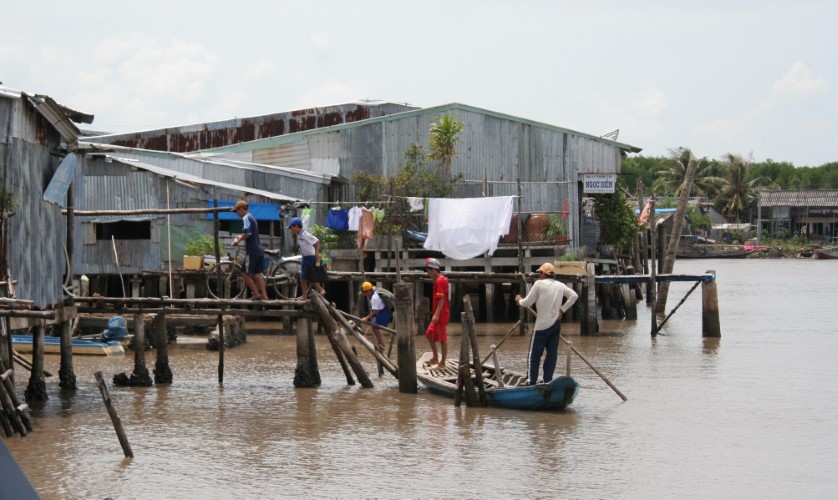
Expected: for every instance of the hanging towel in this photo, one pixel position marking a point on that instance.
(416, 204)
(354, 218)
(466, 227)
(338, 219)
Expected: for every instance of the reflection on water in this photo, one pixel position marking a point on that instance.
(748, 415)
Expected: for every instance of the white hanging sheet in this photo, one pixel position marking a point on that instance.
(464, 228)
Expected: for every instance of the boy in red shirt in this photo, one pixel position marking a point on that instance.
(438, 328)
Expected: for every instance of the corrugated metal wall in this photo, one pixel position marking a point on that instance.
(36, 232)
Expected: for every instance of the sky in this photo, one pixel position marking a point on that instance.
(753, 78)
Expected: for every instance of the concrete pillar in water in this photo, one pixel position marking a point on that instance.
(710, 326)
(66, 375)
(37, 388)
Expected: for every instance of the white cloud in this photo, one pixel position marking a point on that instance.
(799, 81)
(320, 41)
(650, 101)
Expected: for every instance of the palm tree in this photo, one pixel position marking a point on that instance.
(443, 141)
(739, 192)
(670, 180)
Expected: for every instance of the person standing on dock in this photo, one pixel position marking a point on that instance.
(310, 250)
(546, 294)
(255, 260)
(380, 313)
(437, 330)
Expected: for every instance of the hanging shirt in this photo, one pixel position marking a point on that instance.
(366, 226)
(338, 219)
(463, 228)
(416, 204)
(354, 218)
(305, 216)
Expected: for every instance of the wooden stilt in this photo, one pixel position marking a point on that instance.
(66, 375)
(117, 423)
(9, 409)
(37, 389)
(162, 370)
(307, 373)
(629, 301)
(340, 337)
(710, 326)
(475, 354)
(589, 325)
(406, 326)
(19, 407)
(465, 384)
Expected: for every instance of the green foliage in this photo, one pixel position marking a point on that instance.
(618, 224)
(698, 220)
(328, 238)
(556, 227)
(414, 179)
(201, 245)
(443, 140)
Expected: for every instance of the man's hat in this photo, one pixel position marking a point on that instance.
(296, 221)
(547, 268)
(432, 263)
(239, 204)
(366, 286)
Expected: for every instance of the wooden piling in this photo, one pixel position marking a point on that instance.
(465, 385)
(406, 328)
(710, 326)
(629, 301)
(307, 373)
(475, 354)
(37, 388)
(140, 376)
(66, 375)
(162, 370)
(117, 423)
(340, 337)
(9, 408)
(589, 325)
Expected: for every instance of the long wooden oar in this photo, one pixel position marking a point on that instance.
(603, 377)
(495, 348)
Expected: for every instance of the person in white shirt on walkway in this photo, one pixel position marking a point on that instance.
(546, 294)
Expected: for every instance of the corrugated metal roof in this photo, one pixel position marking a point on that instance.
(193, 179)
(800, 198)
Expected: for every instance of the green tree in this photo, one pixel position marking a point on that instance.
(739, 192)
(617, 222)
(443, 139)
(670, 180)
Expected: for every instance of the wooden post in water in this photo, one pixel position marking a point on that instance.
(629, 301)
(589, 324)
(162, 370)
(66, 376)
(37, 388)
(475, 354)
(405, 338)
(340, 337)
(307, 373)
(710, 326)
(117, 423)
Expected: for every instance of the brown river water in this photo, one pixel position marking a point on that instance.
(751, 415)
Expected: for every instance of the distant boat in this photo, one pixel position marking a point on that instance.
(830, 252)
(509, 390)
(690, 247)
(52, 345)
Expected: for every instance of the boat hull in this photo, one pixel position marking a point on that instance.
(826, 253)
(52, 345)
(557, 394)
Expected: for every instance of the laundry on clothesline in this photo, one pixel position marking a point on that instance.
(464, 228)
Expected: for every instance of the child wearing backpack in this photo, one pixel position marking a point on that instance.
(382, 304)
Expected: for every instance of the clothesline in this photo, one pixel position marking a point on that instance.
(480, 181)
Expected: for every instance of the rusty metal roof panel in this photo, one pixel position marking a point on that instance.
(800, 198)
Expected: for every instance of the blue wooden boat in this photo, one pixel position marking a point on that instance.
(504, 389)
(52, 345)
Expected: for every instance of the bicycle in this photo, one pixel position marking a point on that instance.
(282, 276)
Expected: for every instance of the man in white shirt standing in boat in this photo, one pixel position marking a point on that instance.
(546, 294)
